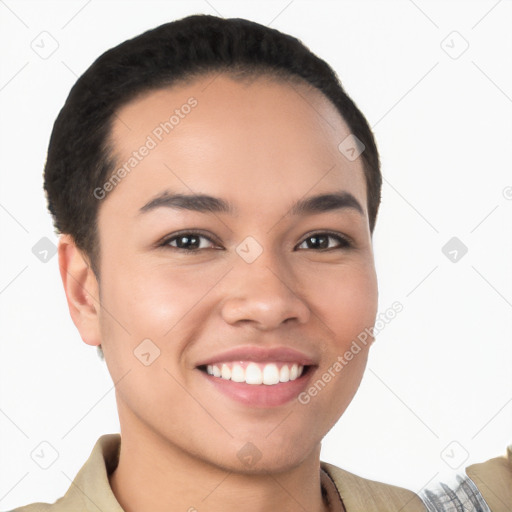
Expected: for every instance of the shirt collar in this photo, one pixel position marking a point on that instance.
(90, 491)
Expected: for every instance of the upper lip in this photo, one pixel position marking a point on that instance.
(260, 354)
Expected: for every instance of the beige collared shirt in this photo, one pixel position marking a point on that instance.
(91, 491)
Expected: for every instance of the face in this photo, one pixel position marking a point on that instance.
(216, 323)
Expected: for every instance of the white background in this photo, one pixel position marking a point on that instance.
(439, 372)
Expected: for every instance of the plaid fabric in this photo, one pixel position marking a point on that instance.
(458, 495)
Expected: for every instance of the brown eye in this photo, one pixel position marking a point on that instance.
(188, 241)
(321, 241)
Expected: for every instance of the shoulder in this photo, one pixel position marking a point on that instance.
(73, 500)
(358, 493)
(90, 490)
(34, 507)
(493, 479)
(482, 487)
(57, 506)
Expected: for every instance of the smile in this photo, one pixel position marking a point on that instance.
(258, 376)
(249, 372)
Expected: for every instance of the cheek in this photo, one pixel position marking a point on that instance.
(347, 305)
(143, 326)
(347, 301)
(156, 303)
(150, 300)
(348, 310)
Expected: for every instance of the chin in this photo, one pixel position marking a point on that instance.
(264, 466)
(260, 457)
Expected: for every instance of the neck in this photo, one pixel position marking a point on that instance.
(153, 475)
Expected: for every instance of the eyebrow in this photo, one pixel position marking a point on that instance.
(209, 204)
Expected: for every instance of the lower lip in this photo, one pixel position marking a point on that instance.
(261, 395)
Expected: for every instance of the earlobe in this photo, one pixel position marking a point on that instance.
(81, 288)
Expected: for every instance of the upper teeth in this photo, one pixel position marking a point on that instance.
(253, 373)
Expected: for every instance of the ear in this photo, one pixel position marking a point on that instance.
(82, 290)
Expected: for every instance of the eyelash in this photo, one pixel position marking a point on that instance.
(344, 242)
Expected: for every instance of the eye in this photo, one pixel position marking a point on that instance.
(188, 241)
(191, 241)
(320, 241)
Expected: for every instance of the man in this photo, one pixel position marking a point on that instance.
(216, 193)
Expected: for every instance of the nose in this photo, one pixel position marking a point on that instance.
(264, 293)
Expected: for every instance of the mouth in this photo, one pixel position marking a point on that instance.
(258, 376)
(258, 384)
(256, 373)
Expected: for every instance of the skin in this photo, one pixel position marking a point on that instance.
(261, 145)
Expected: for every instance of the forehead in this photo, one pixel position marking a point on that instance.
(221, 134)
